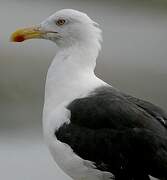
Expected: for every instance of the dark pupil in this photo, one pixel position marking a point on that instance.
(61, 22)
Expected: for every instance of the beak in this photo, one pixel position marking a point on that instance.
(27, 33)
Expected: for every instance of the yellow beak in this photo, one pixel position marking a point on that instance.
(26, 33)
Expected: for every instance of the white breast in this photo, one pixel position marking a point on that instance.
(65, 82)
(67, 160)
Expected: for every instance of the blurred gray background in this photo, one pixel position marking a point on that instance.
(133, 58)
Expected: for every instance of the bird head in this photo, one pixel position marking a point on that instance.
(66, 28)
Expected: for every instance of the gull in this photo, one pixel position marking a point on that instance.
(93, 130)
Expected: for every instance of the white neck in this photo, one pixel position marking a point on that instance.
(70, 75)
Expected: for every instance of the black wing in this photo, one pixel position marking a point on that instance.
(150, 108)
(120, 136)
(108, 108)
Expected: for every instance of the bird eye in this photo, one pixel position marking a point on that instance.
(60, 22)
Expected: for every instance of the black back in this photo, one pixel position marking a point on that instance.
(121, 134)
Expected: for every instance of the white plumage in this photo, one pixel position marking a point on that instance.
(85, 119)
(71, 76)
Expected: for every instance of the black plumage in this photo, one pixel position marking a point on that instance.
(119, 133)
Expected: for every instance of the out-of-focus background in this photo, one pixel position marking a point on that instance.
(133, 58)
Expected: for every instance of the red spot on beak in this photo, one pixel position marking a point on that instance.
(19, 38)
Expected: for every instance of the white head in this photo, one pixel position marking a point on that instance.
(78, 38)
(71, 27)
(66, 28)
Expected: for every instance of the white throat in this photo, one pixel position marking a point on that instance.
(71, 75)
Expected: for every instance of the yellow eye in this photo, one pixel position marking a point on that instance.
(60, 22)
